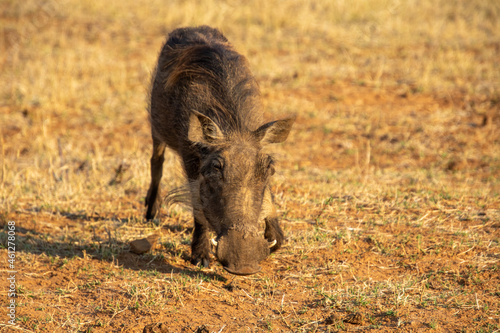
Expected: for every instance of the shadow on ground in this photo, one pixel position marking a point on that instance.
(37, 238)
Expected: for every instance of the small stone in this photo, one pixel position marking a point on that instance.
(202, 329)
(354, 318)
(140, 246)
(156, 328)
(332, 319)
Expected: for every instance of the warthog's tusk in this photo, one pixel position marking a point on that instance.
(213, 241)
(271, 244)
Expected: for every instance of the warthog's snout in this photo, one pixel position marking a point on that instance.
(243, 270)
(241, 253)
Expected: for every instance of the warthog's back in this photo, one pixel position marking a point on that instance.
(198, 70)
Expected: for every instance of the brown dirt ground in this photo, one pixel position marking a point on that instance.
(411, 267)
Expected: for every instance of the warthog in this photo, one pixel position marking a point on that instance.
(205, 105)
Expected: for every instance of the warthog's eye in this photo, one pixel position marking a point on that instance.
(216, 165)
(213, 169)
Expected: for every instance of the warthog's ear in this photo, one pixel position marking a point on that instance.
(203, 129)
(275, 131)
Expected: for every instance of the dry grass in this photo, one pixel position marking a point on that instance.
(388, 186)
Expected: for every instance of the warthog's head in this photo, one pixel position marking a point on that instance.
(232, 192)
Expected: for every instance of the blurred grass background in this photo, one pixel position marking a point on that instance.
(75, 75)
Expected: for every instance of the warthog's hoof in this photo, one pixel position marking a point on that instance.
(203, 262)
(153, 210)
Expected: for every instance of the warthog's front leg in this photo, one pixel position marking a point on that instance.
(200, 246)
(153, 198)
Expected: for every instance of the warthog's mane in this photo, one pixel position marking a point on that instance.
(219, 79)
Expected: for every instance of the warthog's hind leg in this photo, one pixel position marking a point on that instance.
(153, 198)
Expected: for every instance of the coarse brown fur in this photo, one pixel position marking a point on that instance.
(205, 105)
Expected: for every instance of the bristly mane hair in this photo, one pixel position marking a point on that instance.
(212, 71)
